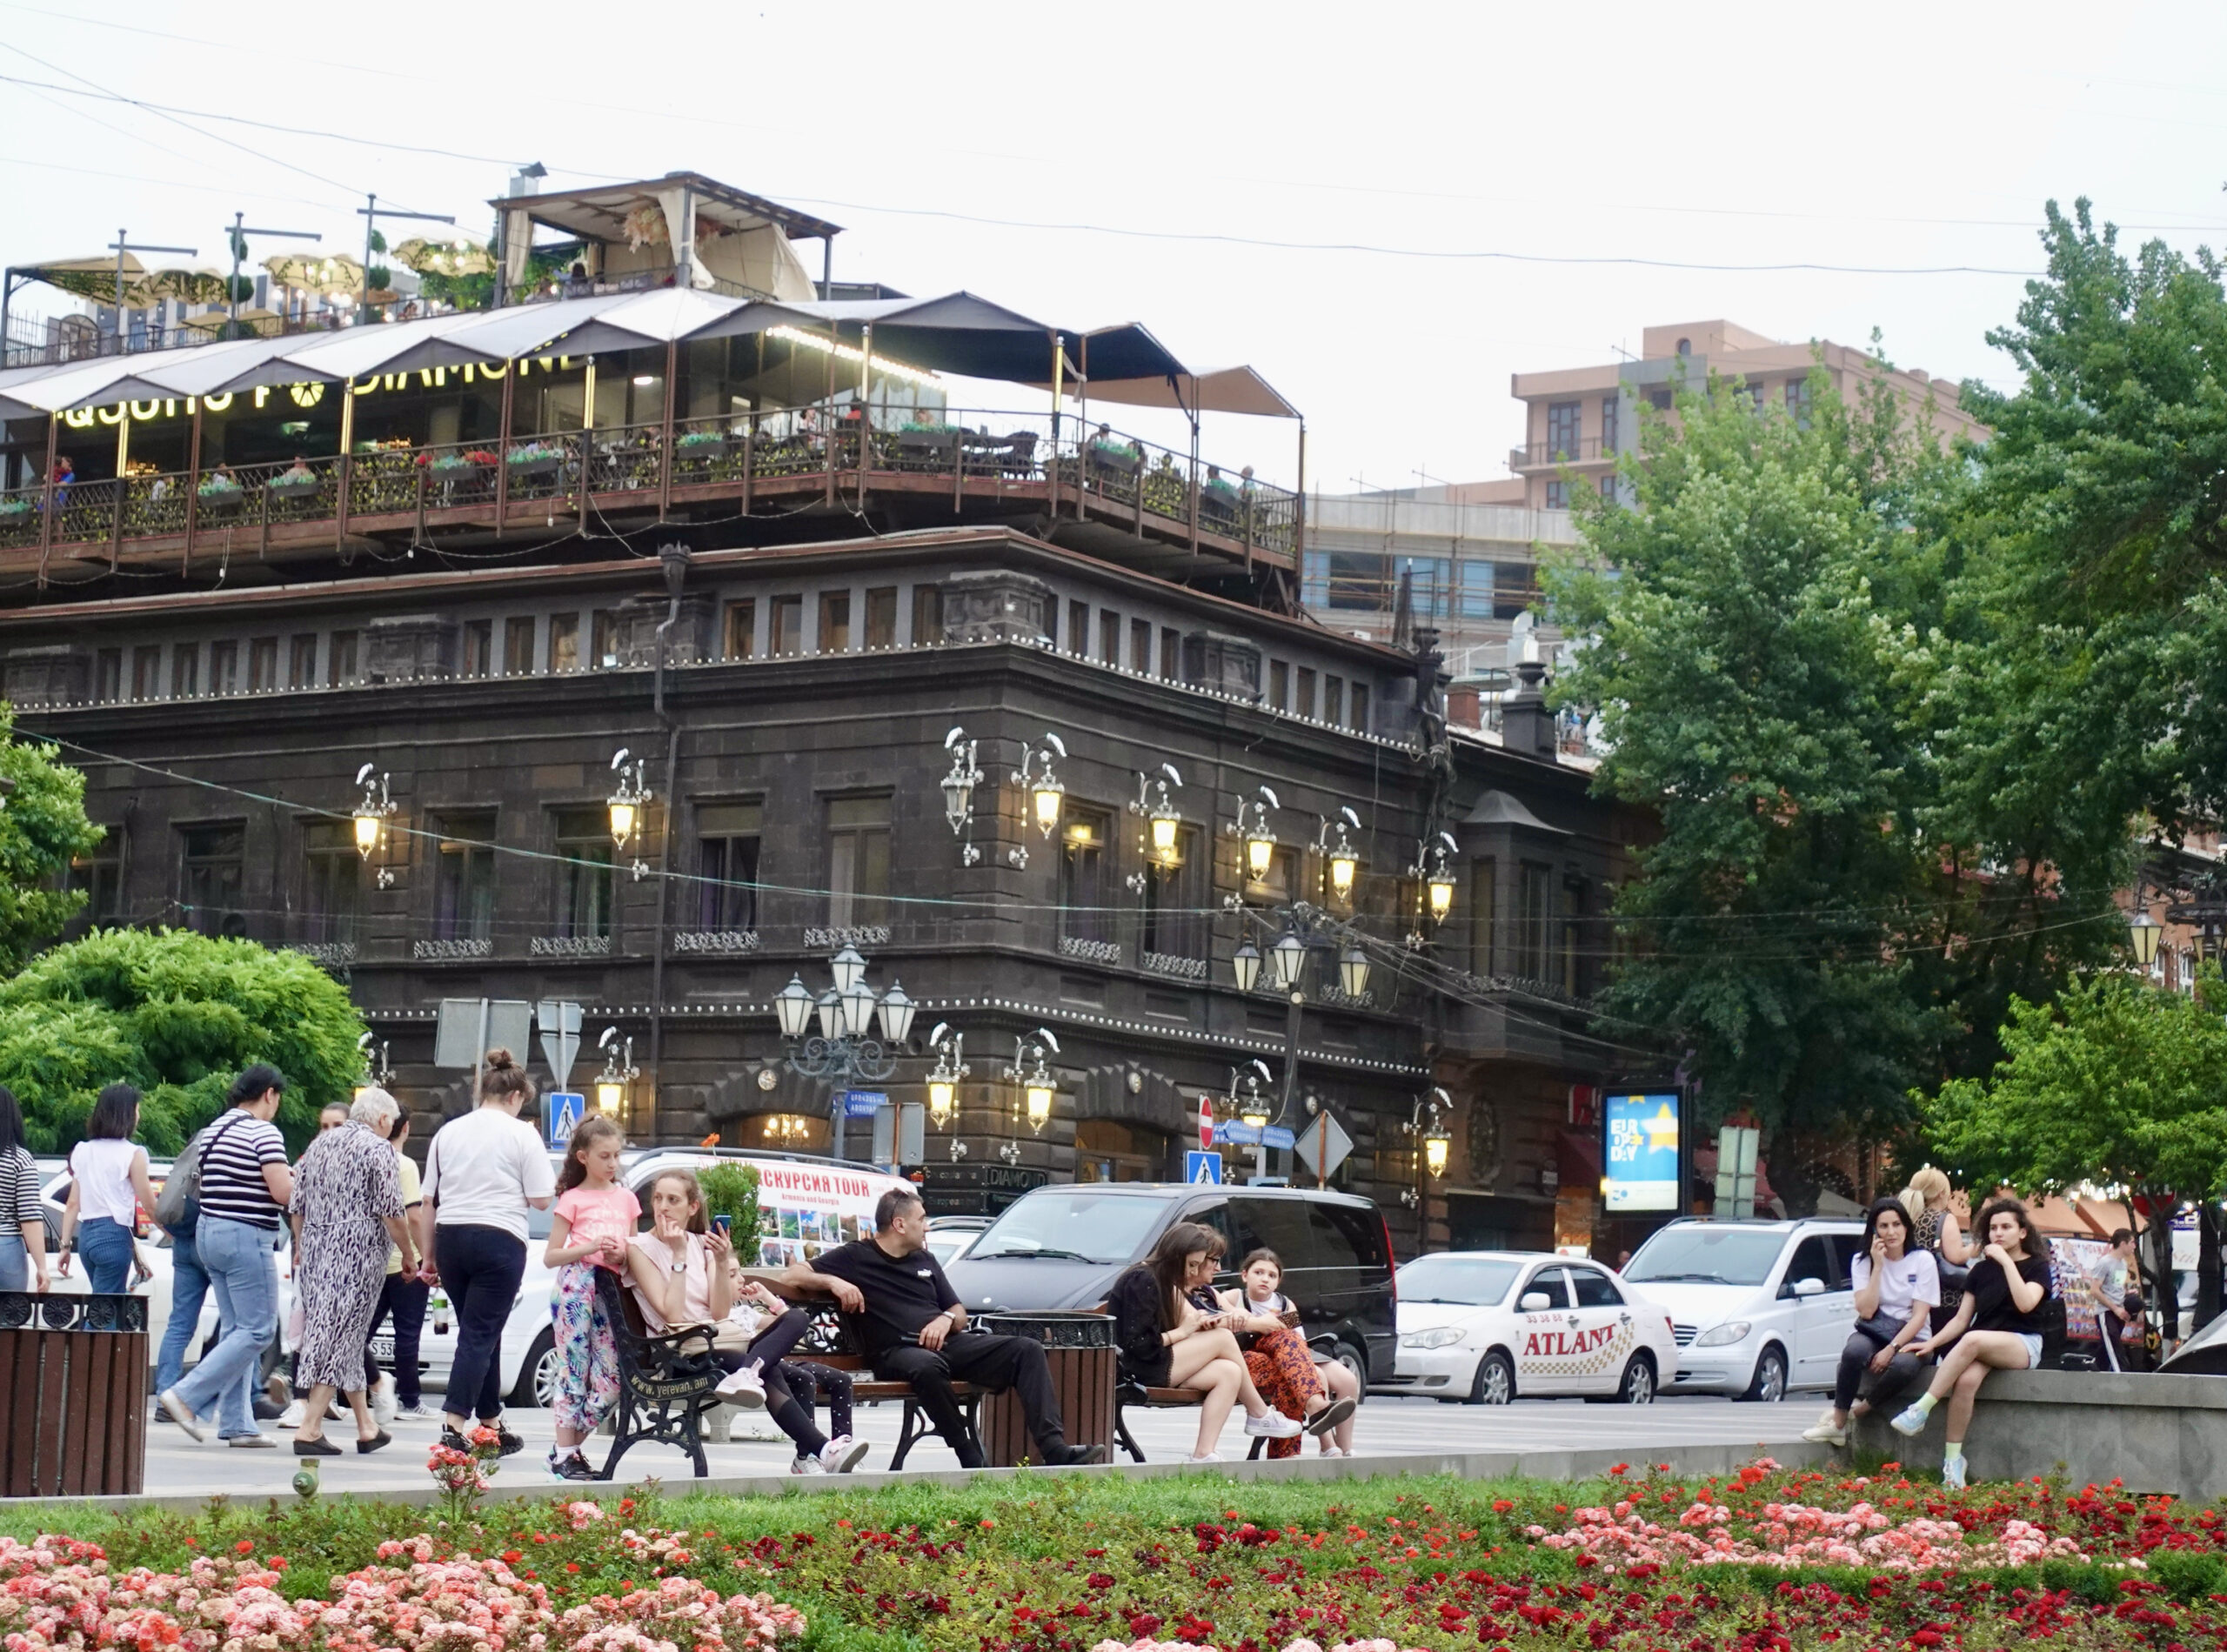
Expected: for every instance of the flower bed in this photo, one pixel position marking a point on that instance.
(1761, 1561)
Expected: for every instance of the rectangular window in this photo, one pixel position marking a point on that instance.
(834, 622)
(464, 883)
(517, 645)
(263, 665)
(1078, 629)
(333, 880)
(603, 642)
(146, 666)
(858, 860)
(212, 866)
(1609, 415)
(726, 860)
(1480, 917)
(1564, 421)
(1141, 647)
(1171, 653)
(1334, 700)
(185, 670)
(1174, 923)
(1360, 581)
(1515, 587)
(1304, 705)
(479, 648)
(1280, 685)
(340, 658)
(740, 634)
(927, 616)
(100, 875)
(1534, 917)
(1084, 868)
(1660, 400)
(301, 662)
(564, 642)
(881, 617)
(1797, 400)
(108, 675)
(1557, 495)
(784, 635)
(1360, 706)
(1109, 636)
(583, 873)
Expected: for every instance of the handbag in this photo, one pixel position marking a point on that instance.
(177, 1207)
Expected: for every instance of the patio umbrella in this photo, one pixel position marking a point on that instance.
(198, 284)
(457, 255)
(338, 274)
(92, 276)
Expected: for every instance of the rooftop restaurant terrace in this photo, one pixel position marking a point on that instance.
(638, 391)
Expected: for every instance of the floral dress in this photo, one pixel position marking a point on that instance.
(343, 1188)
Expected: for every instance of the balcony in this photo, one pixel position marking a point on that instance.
(1552, 456)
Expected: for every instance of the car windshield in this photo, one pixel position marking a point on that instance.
(1703, 1255)
(1071, 1225)
(1472, 1282)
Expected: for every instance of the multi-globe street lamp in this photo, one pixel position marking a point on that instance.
(844, 1051)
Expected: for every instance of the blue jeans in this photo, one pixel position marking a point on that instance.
(15, 1263)
(189, 1290)
(241, 1268)
(105, 1247)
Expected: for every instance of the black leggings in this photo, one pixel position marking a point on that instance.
(793, 1386)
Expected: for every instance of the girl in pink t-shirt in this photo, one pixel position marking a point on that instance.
(593, 1220)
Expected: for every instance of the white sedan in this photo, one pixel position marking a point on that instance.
(1487, 1327)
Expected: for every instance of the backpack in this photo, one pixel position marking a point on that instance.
(177, 1207)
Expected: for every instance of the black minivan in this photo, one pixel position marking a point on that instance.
(1063, 1247)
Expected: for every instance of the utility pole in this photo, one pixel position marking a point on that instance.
(122, 243)
(240, 232)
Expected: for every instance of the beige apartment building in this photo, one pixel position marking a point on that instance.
(1578, 420)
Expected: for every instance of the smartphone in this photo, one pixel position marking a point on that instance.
(724, 1224)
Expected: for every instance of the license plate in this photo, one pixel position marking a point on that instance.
(383, 1349)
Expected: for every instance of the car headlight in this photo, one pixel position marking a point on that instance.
(1723, 1335)
(1440, 1337)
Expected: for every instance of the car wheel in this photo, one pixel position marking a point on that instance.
(1495, 1383)
(1352, 1358)
(1768, 1383)
(1638, 1385)
(536, 1383)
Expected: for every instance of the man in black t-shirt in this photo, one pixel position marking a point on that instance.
(915, 1331)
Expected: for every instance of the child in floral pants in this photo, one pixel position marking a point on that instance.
(588, 1230)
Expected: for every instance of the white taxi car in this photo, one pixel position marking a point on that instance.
(1487, 1327)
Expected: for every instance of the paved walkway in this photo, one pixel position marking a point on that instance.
(1387, 1426)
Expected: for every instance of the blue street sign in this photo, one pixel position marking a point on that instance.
(863, 1104)
(1202, 1168)
(561, 1113)
(1276, 1136)
(1240, 1135)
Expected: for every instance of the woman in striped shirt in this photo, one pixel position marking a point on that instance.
(23, 1228)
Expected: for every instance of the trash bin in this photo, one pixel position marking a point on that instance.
(1079, 1347)
(73, 1379)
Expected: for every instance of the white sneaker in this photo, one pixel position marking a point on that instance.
(182, 1414)
(745, 1388)
(291, 1416)
(1273, 1424)
(1909, 1420)
(843, 1453)
(807, 1466)
(1212, 1456)
(420, 1413)
(1952, 1473)
(382, 1399)
(1332, 1451)
(1826, 1432)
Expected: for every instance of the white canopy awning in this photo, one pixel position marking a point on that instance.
(1217, 390)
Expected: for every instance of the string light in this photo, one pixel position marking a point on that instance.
(852, 353)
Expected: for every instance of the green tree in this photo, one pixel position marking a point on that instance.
(43, 828)
(1826, 919)
(177, 1014)
(2116, 1081)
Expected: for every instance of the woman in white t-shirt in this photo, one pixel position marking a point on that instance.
(1897, 1287)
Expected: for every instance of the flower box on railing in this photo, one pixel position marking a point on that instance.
(535, 459)
(294, 486)
(704, 444)
(450, 466)
(16, 510)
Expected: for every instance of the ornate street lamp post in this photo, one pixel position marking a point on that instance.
(844, 1051)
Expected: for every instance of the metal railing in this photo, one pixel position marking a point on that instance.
(1545, 455)
(970, 451)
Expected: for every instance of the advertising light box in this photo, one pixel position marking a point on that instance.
(1639, 1153)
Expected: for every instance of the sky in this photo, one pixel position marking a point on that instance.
(1386, 210)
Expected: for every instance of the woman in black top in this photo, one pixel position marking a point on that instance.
(2003, 1293)
(1168, 1341)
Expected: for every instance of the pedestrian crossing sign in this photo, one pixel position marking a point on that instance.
(1202, 1168)
(561, 1111)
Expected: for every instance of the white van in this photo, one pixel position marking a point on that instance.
(1757, 1307)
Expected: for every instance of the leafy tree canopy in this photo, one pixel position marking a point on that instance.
(2116, 1081)
(177, 1014)
(43, 828)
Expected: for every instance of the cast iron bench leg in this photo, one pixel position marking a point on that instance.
(1121, 1432)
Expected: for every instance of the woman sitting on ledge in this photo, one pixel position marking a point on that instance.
(2003, 1294)
(1168, 1341)
(1896, 1290)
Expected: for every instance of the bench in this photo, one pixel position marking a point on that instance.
(1129, 1392)
(666, 1383)
(833, 1341)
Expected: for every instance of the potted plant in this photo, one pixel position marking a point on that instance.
(300, 482)
(534, 459)
(16, 507)
(730, 1190)
(705, 444)
(220, 494)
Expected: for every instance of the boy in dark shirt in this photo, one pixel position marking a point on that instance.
(916, 1332)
